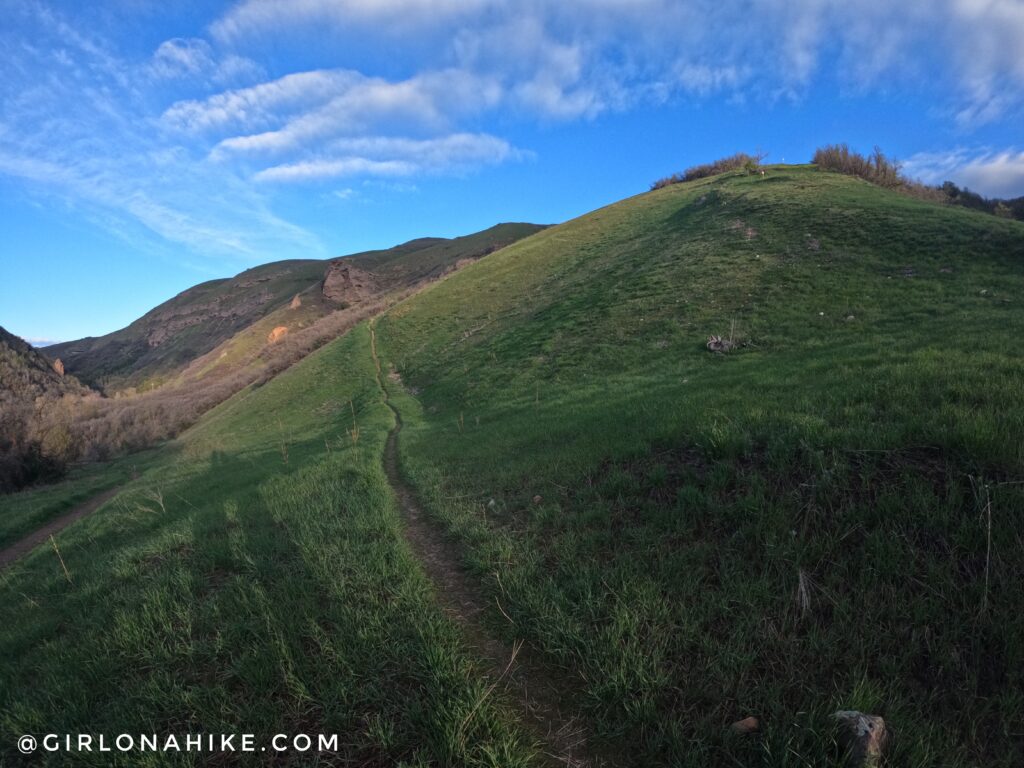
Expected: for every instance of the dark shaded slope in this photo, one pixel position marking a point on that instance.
(29, 384)
(191, 323)
(26, 374)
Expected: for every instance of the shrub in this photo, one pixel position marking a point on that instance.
(877, 168)
(741, 160)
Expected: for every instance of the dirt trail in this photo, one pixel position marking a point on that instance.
(37, 537)
(543, 695)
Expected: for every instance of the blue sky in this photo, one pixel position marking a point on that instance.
(146, 146)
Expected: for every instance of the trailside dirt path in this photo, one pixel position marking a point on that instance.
(542, 694)
(34, 539)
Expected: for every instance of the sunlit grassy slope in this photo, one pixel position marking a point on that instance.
(253, 579)
(823, 519)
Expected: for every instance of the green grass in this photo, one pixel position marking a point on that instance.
(24, 512)
(252, 580)
(684, 493)
(826, 518)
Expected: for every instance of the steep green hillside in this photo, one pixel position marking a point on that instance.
(164, 341)
(827, 517)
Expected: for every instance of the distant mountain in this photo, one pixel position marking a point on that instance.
(161, 344)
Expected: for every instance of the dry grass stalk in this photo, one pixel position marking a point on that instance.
(67, 575)
(354, 432)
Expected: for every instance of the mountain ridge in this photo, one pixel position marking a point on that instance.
(152, 349)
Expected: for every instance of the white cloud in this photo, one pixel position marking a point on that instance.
(310, 170)
(257, 16)
(1000, 175)
(359, 104)
(233, 69)
(703, 80)
(392, 157)
(180, 57)
(576, 58)
(260, 104)
(990, 173)
(194, 59)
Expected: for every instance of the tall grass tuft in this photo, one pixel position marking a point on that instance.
(354, 432)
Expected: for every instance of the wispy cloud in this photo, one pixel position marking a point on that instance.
(85, 136)
(353, 104)
(257, 16)
(390, 157)
(259, 106)
(578, 58)
(194, 58)
(328, 169)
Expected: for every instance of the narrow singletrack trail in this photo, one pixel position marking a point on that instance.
(37, 537)
(543, 695)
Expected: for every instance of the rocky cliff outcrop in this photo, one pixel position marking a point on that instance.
(346, 283)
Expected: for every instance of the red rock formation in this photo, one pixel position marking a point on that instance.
(58, 366)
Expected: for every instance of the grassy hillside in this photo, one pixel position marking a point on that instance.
(826, 518)
(252, 580)
(160, 345)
